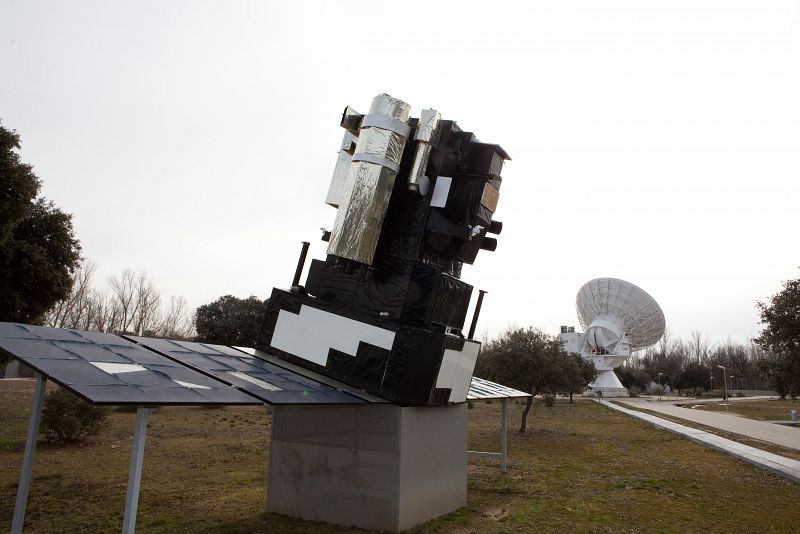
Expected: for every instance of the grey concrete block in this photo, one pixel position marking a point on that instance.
(372, 466)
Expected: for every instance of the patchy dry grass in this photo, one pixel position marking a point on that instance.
(763, 410)
(582, 468)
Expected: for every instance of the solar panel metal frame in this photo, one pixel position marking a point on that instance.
(482, 389)
(69, 358)
(221, 362)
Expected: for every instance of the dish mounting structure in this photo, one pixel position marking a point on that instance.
(618, 318)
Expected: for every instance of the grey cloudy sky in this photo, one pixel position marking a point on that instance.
(656, 142)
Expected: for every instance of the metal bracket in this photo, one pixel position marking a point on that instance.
(503, 454)
(135, 473)
(30, 452)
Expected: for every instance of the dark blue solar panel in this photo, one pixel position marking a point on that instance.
(107, 369)
(268, 382)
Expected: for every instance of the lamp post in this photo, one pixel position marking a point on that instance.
(711, 391)
(725, 381)
(660, 387)
(733, 384)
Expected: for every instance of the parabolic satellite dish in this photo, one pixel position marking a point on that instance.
(618, 318)
(609, 307)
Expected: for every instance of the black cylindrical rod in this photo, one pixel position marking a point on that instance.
(300, 263)
(489, 243)
(476, 313)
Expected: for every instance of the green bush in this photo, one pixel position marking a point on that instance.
(68, 419)
(549, 400)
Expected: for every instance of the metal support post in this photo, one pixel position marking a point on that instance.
(30, 452)
(300, 263)
(503, 454)
(476, 313)
(503, 437)
(135, 473)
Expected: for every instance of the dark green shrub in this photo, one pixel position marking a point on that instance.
(68, 419)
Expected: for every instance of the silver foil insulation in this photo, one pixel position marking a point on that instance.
(429, 120)
(364, 193)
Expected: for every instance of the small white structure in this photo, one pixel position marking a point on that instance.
(619, 318)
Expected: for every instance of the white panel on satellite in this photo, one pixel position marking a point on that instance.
(440, 191)
(456, 370)
(312, 333)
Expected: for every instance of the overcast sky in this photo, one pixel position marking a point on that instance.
(657, 142)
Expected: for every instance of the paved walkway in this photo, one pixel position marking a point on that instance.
(780, 465)
(785, 436)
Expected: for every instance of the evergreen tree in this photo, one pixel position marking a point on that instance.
(38, 248)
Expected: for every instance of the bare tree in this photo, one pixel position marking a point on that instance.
(177, 323)
(75, 310)
(698, 345)
(136, 304)
(132, 304)
(122, 301)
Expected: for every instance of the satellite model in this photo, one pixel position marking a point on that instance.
(365, 366)
(619, 318)
(385, 311)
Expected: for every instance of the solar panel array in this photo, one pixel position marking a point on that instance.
(263, 380)
(107, 369)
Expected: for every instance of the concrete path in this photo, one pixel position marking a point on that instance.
(785, 436)
(780, 465)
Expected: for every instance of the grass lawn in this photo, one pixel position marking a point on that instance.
(764, 410)
(745, 440)
(582, 468)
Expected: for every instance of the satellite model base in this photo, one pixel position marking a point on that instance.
(382, 467)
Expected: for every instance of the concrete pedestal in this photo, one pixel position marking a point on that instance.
(606, 393)
(373, 466)
(607, 383)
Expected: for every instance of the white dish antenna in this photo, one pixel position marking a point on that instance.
(610, 309)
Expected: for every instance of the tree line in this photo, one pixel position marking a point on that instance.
(692, 365)
(131, 304)
(770, 361)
